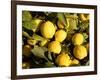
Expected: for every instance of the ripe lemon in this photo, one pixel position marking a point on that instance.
(60, 35)
(80, 52)
(63, 60)
(77, 39)
(54, 46)
(74, 62)
(47, 29)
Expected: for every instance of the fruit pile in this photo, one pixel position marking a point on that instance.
(54, 39)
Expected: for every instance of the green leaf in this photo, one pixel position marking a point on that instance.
(85, 37)
(32, 25)
(71, 21)
(49, 64)
(87, 63)
(84, 25)
(61, 18)
(73, 16)
(37, 37)
(25, 34)
(36, 23)
(72, 24)
(39, 52)
(26, 16)
(49, 56)
(28, 25)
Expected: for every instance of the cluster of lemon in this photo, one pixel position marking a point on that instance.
(48, 30)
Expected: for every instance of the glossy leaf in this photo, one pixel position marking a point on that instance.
(26, 16)
(61, 18)
(38, 51)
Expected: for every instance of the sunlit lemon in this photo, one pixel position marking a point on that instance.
(63, 60)
(80, 52)
(77, 39)
(60, 35)
(47, 29)
(54, 47)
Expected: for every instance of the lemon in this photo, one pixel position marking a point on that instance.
(60, 35)
(80, 52)
(25, 65)
(84, 17)
(54, 47)
(63, 60)
(26, 50)
(47, 29)
(77, 39)
(74, 62)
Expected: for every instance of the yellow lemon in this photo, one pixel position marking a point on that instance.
(55, 47)
(60, 35)
(47, 29)
(74, 62)
(80, 52)
(77, 39)
(63, 60)
(26, 50)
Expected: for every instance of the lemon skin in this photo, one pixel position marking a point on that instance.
(77, 39)
(80, 52)
(75, 62)
(47, 29)
(63, 60)
(54, 47)
(60, 35)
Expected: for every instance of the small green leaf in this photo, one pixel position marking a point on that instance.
(39, 51)
(28, 25)
(49, 64)
(26, 16)
(25, 34)
(36, 23)
(85, 37)
(49, 56)
(61, 18)
(72, 24)
(73, 16)
(87, 63)
(32, 25)
(84, 25)
(37, 37)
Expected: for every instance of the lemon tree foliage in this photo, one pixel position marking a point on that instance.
(53, 39)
